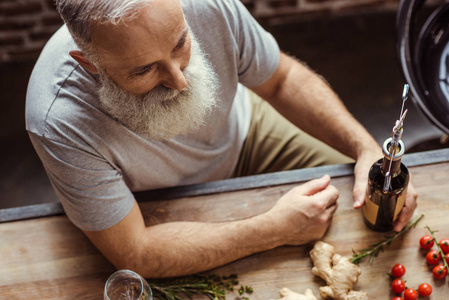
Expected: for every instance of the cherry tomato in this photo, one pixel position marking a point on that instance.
(410, 294)
(398, 271)
(439, 272)
(425, 290)
(446, 257)
(398, 286)
(433, 257)
(444, 245)
(398, 298)
(426, 242)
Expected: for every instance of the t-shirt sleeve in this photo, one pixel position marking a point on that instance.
(92, 192)
(259, 52)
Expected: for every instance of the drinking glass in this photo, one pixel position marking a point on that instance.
(127, 285)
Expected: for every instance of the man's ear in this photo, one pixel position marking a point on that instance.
(84, 62)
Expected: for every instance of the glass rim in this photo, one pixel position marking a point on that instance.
(128, 272)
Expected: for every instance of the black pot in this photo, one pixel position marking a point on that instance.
(424, 55)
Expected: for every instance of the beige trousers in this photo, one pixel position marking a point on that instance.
(274, 144)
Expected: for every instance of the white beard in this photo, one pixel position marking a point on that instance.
(164, 113)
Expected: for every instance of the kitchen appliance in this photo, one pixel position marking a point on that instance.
(423, 49)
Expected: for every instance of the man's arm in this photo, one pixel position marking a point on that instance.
(308, 102)
(179, 248)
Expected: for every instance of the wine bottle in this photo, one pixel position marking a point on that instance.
(382, 207)
(387, 180)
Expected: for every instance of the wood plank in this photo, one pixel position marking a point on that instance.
(48, 258)
(235, 184)
(290, 267)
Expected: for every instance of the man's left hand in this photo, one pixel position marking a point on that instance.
(361, 171)
(408, 209)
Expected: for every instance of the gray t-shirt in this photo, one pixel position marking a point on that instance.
(95, 163)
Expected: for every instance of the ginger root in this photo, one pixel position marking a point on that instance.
(339, 273)
(287, 294)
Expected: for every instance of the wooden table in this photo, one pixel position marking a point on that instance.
(49, 258)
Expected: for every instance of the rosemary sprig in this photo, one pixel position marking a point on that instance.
(432, 233)
(374, 249)
(213, 286)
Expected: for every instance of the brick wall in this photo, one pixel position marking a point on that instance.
(25, 25)
(262, 9)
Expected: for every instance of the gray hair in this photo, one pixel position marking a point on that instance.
(81, 15)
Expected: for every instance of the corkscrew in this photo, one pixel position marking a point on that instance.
(396, 137)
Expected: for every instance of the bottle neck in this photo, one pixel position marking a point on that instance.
(395, 168)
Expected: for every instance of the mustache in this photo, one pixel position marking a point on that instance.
(159, 94)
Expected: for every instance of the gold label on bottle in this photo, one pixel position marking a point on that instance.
(370, 210)
(399, 204)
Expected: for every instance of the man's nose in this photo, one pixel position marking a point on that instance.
(174, 77)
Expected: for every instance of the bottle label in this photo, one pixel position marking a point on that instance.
(370, 210)
(400, 204)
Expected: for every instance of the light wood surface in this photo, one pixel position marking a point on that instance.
(48, 258)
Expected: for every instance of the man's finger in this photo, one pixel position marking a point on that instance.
(407, 211)
(314, 186)
(329, 195)
(404, 217)
(359, 191)
(361, 170)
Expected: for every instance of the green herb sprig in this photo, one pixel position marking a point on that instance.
(213, 286)
(374, 249)
(432, 233)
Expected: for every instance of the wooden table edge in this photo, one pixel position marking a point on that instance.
(226, 185)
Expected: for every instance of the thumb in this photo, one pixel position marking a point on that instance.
(314, 186)
(361, 171)
(358, 193)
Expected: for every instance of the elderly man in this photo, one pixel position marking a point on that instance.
(134, 95)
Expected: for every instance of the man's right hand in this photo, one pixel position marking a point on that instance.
(180, 248)
(305, 212)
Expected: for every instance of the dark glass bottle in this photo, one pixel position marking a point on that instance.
(383, 203)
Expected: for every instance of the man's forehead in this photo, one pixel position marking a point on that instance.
(154, 29)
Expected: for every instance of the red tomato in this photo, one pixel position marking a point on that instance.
(398, 271)
(425, 289)
(426, 242)
(433, 257)
(398, 286)
(439, 272)
(398, 298)
(444, 245)
(410, 294)
(446, 257)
